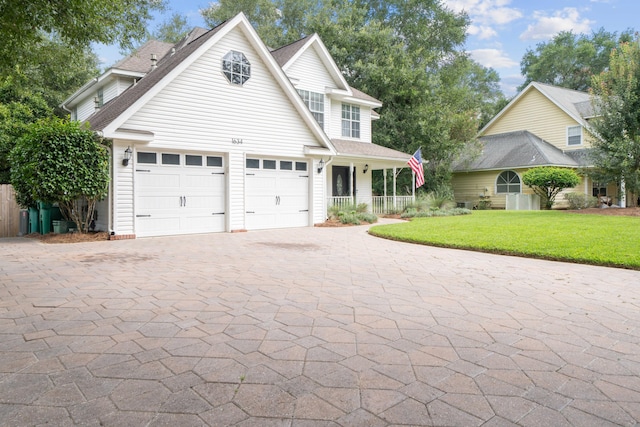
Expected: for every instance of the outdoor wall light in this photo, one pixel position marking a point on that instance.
(320, 165)
(365, 168)
(127, 156)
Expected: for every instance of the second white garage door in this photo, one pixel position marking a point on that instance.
(277, 193)
(179, 194)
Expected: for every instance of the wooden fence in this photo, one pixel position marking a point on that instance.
(9, 212)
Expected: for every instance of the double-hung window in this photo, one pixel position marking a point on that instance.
(574, 135)
(350, 121)
(315, 102)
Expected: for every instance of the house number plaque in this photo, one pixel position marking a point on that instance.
(236, 140)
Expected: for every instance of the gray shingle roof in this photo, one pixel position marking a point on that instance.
(520, 149)
(368, 150)
(140, 60)
(283, 54)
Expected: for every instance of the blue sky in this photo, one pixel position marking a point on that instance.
(500, 32)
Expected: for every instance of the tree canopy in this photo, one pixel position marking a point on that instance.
(616, 98)
(407, 53)
(569, 60)
(76, 23)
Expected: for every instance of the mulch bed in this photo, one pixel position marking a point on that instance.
(635, 211)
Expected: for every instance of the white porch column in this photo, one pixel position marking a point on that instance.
(384, 200)
(623, 194)
(394, 189)
(351, 188)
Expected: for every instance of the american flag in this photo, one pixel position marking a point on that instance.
(415, 163)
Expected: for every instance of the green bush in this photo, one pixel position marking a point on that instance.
(581, 201)
(435, 212)
(547, 182)
(351, 214)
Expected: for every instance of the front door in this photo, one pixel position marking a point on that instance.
(342, 181)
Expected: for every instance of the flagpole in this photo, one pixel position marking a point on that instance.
(413, 187)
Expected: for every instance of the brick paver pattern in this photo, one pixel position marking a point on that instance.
(311, 327)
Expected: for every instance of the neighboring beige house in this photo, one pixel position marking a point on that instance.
(543, 125)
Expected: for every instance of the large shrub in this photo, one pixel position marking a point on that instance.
(58, 161)
(581, 201)
(547, 182)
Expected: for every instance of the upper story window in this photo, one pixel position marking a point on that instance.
(315, 102)
(236, 67)
(100, 97)
(350, 121)
(574, 135)
(508, 182)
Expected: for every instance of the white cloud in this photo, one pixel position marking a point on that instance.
(485, 14)
(482, 32)
(493, 58)
(545, 27)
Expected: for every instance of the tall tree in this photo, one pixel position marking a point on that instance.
(616, 99)
(18, 108)
(77, 23)
(172, 30)
(569, 60)
(54, 70)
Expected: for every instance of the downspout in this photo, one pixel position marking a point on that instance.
(326, 184)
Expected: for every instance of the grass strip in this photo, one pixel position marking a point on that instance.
(588, 239)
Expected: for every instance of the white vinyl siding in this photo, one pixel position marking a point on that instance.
(199, 110)
(85, 108)
(123, 184)
(310, 74)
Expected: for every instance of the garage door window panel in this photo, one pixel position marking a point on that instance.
(253, 163)
(170, 159)
(214, 161)
(191, 160)
(147, 158)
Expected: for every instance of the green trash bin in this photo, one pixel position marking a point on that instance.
(45, 217)
(34, 226)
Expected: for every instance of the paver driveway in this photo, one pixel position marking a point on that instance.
(311, 327)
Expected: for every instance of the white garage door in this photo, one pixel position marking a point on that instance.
(179, 194)
(277, 193)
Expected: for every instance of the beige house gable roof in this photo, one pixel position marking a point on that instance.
(575, 104)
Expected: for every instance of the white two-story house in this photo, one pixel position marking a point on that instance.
(217, 133)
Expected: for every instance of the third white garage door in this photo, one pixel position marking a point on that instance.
(277, 193)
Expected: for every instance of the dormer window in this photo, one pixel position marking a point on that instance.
(315, 102)
(574, 135)
(350, 121)
(236, 67)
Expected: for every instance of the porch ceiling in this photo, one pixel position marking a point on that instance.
(369, 152)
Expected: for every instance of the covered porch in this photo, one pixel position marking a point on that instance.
(349, 177)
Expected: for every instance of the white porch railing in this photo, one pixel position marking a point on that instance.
(380, 204)
(341, 201)
(390, 204)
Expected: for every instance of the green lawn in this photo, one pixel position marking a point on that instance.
(589, 239)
